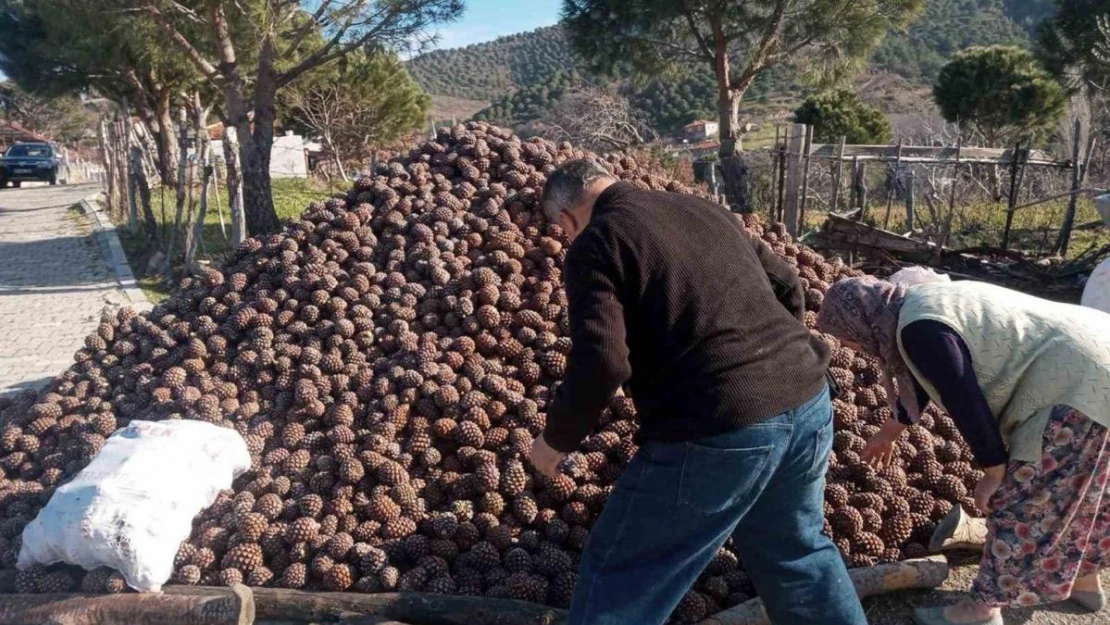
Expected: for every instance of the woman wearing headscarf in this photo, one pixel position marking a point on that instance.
(1027, 383)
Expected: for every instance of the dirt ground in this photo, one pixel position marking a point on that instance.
(897, 608)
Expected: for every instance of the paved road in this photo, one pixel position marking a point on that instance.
(54, 282)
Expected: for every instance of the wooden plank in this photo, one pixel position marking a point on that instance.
(793, 177)
(917, 154)
(847, 234)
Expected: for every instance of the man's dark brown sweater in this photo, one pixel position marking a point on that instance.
(668, 293)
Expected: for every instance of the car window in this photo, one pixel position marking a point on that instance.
(30, 151)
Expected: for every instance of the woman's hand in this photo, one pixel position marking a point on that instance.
(545, 458)
(988, 485)
(879, 451)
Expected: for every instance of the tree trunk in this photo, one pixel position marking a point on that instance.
(734, 172)
(107, 154)
(257, 195)
(167, 139)
(125, 169)
(234, 186)
(182, 182)
(194, 227)
(335, 157)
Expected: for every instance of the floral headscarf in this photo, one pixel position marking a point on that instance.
(865, 311)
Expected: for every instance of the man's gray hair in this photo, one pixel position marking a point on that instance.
(567, 184)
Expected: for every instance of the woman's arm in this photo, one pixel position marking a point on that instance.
(943, 359)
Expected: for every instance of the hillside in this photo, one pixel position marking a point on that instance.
(487, 71)
(523, 75)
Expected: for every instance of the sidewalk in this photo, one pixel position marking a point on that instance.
(54, 283)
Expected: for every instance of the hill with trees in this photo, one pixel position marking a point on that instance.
(488, 71)
(524, 75)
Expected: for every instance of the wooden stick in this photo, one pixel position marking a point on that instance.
(413, 607)
(869, 581)
(233, 607)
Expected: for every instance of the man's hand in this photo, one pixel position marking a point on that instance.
(879, 451)
(988, 485)
(544, 458)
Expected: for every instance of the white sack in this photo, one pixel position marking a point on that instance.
(134, 504)
(917, 275)
(1096, 293)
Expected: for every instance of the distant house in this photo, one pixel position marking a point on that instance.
(700, 130)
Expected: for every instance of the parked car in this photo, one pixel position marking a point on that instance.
(29, 161)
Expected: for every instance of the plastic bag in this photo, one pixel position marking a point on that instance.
(1102, 204)
(134, 504)
(1096, 294)
(917, 275)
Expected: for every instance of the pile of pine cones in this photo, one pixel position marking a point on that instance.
(388, 359)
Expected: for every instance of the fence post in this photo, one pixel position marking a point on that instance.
(911, 213)
(793, 176)
(1064, 238)
(946, 229)
(834, 201)
(805, 174)
(780, 197)
(892, 186)
(859, 186)
(1011, 199)
(774, 176)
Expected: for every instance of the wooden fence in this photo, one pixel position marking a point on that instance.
(795, 153)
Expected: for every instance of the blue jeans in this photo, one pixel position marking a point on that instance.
(677, 503)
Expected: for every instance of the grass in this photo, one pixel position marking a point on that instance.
(291, 197)
(1034, 229)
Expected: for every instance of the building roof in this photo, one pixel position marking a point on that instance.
(10, 132)
(697, 123)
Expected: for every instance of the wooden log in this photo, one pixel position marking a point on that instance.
(412, 607)
(368, 620)
(233, 607)
(869, 581)
(842, 233)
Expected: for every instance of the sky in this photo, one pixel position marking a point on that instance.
(485, 20)
(489, 19)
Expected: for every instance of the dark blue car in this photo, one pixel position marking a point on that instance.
(29, 161)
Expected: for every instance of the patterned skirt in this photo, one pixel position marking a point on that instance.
(1050, 521)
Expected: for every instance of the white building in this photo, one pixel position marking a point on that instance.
(700, 130)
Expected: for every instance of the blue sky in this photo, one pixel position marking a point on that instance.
(489, 19)
(484, 20)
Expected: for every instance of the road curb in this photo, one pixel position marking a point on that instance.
(110, 244)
